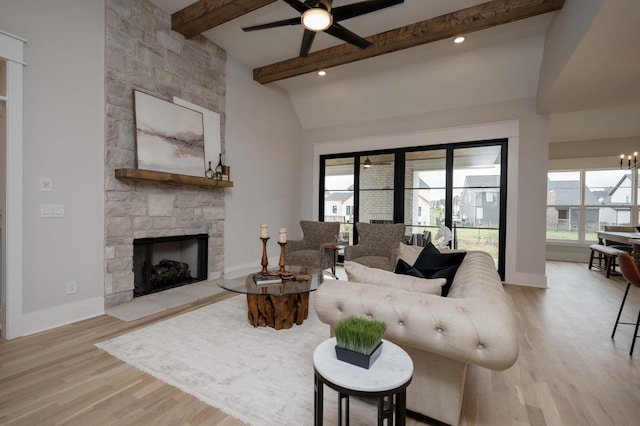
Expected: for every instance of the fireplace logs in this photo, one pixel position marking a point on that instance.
(166, 274)
(169, 272)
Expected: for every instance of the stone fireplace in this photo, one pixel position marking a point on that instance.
(142, 53)
(141, 211)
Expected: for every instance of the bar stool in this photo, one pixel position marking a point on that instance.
(631, 273)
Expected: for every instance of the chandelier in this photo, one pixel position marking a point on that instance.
(629, 165)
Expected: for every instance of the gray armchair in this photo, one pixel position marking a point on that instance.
(377, 245)
(310, 251)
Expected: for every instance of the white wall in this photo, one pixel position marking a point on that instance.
(493, 97)
(495, 73)
(527, 134)
(264, 149)
(63, 140)
(565, 34)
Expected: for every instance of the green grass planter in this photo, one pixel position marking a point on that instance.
(359, 341)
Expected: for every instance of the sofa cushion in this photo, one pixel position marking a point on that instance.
(363, 274)
(433, 264)
(409, 253)
(404, 268)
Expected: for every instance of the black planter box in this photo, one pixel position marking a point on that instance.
(358, 359)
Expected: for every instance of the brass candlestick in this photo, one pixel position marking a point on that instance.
(265, 259)
(282, 261)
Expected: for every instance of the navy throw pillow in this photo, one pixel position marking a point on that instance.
(433, 264)
(404, 268)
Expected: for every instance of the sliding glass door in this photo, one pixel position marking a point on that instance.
(477, 210)
(337, 196)
(425, 180)
(461, 186)
(376, 188)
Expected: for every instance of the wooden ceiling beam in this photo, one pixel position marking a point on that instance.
(465, 21)
(206, 14)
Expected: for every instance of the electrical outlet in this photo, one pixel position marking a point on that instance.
(72, 287)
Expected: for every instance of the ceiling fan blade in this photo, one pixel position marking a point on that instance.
(307, 41)
(342, 33)
(283, 23)
(299, 6)
(361, 8)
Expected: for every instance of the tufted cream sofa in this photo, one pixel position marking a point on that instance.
(473, 324)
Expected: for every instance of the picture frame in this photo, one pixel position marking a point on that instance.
(212, 133)
(169, 137)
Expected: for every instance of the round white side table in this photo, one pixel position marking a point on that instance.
(386, 380)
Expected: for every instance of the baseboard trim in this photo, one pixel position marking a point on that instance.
(46, 319)
(528, 280)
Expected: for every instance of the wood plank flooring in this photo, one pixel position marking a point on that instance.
(570, 372)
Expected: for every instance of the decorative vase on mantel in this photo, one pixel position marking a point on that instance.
(359, 341)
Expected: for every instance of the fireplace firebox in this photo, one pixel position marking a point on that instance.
(167, 262)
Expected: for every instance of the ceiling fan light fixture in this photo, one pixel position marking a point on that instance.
(316, 19)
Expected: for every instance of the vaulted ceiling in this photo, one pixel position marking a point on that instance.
(603, 71)
(207, 14)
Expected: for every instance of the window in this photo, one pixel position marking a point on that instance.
(460, 185)
(581, 202)
(337, 189)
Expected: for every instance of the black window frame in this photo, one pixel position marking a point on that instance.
(399, 190)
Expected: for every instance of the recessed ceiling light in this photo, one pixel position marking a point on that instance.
(322, 73)
(458, 39)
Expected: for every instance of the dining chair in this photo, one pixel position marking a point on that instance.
(631, 272)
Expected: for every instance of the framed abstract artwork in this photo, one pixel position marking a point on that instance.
(212, 134)
(169, 137)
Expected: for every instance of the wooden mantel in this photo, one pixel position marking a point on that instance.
(150, 175)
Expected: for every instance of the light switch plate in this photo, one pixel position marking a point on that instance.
(51, 210)
(46, 184)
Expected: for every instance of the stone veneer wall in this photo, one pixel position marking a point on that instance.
(143, 53)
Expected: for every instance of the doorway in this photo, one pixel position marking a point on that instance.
(11, 157)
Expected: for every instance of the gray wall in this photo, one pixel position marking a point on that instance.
(65, 140)
(264, 149)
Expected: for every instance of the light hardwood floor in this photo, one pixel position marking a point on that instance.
(569, 372)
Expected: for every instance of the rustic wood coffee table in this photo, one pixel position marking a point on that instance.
(277, 305)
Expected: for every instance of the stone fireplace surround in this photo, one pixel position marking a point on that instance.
(142, 53)
(151, 211)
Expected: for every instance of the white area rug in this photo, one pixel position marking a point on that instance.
(259, 375)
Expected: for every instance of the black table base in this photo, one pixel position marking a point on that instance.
(389, 402)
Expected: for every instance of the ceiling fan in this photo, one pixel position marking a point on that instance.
(319, 15)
